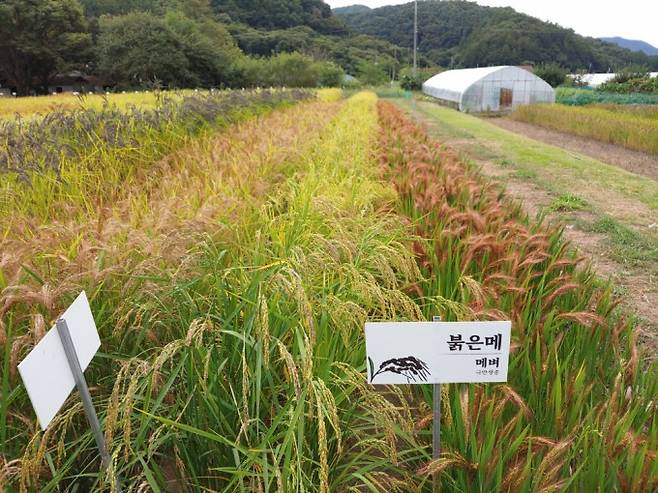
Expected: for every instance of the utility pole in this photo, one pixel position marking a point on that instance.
(415, 33)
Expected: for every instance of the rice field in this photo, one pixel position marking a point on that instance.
(635, 128)
(33, 105)
(231, 263)
(639, 110)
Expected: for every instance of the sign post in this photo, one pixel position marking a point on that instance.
(437, 352)
(56, 365)
(436, 424)
(81, 384)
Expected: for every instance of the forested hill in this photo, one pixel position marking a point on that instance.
(460, 33)
(261, 14)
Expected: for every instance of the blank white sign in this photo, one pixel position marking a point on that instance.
(45, 370)
(437, 352)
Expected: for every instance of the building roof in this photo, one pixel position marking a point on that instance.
(462, 79)
(479, 89)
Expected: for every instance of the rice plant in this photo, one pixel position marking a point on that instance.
(73, 155)
(579, 410)
(628, 129)
(231, 280)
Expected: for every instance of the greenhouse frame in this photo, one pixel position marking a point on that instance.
(492, 89)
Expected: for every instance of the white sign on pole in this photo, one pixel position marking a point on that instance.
(45, 370)
(437, 352)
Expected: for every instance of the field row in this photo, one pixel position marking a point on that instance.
(574, 367)
(635, 129)
(91, 155)
(231, 281)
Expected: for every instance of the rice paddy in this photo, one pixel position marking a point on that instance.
(232, 253)
(40, 105)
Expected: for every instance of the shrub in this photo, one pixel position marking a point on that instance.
(411, 83)
(552, 73)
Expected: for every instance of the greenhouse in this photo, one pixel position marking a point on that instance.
(488, 88)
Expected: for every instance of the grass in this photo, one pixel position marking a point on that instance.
(633, 130)
(642, 111)
(568, 202)
(525, 174)
(230, 296)
(91, 154)
(573, 416)
(629, 246)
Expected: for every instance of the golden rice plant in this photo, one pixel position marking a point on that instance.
(635, 130)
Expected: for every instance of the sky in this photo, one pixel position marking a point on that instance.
(633, 19)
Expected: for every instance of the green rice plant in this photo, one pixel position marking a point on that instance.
(619, 128)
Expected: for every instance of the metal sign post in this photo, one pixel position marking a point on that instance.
(436, 422)
(81, 384)
(436, 352)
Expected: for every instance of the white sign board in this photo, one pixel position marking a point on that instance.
(45, 370)
(437, 352)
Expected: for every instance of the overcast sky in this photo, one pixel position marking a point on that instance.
(633, 19)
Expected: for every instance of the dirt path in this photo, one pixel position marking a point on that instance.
(637, 285)
(633, 161)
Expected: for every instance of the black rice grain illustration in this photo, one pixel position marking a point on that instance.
(413, 369)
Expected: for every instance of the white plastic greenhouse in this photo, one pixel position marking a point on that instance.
(488, 88)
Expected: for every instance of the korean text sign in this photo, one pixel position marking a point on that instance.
(437, 352)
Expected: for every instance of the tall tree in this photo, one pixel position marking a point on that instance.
(39, 38)
(137, 49)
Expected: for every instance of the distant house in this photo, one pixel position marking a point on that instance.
(595, 80)
(488, 88)
(75, 82)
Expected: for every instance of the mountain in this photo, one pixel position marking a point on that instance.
(632, 44)
(281, 14)
(465, 34)
(352, 9)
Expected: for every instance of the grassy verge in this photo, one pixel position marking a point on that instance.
(578, 413)
(633, 131)
(628, 246)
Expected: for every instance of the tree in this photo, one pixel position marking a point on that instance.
(139, 49)
(38, 39)
(208, 47)
(551, 73)
(281, 14)
(371, 74)
(293, 70)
